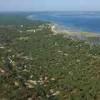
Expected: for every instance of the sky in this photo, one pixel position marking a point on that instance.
(49, 5)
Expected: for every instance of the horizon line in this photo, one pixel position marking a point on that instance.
(54, 11)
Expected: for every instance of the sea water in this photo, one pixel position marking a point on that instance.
(76, 21)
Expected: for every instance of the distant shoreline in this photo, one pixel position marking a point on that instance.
(56, 29)
(79, 35)
(92, 38)
(74, 21)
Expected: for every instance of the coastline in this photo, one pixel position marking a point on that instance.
(86, 36)
(58, 29)
(90, 37)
